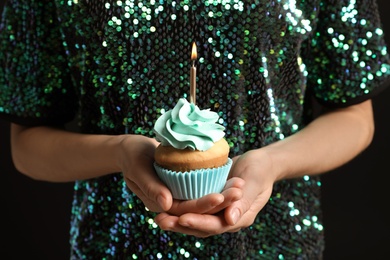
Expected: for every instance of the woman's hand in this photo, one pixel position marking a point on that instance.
(255, 191)
(136, 162)
(139, 174)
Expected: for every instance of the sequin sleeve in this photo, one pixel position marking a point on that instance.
(348, 57)
(35, 86)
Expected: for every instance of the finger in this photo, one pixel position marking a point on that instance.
(165, 221)
(232, 192)
(203, 224)
(215, 224)
(249, 205)
(172, 223)
(154, 194)
(201, 205)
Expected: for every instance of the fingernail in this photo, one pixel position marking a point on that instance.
(160, 201)
(184, 224)
(235, 215)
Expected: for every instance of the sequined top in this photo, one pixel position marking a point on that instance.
(117, 65)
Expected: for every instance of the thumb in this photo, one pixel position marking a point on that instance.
(233, 213)
(164, 199)
(156, 192)
(246, 209)
(152, 191)
(239, 208)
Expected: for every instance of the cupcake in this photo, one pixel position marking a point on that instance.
(192, 158)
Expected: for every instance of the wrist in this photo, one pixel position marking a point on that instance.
(133, 149)
(277, 165)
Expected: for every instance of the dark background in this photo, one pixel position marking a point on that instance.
(35, 215)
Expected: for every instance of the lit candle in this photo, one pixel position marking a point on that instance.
(194, 55)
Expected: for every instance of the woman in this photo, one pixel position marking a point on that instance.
(115, 66)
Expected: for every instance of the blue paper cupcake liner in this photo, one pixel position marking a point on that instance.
(195, 183)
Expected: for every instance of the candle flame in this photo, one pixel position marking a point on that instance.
(194, 53)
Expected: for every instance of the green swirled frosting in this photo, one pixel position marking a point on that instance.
(186, 126)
